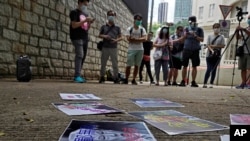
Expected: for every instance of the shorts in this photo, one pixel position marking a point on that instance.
(244, 62)
(134, 57)
(175, 63)
(193, 55)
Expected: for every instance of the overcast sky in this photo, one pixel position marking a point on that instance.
(171, 6)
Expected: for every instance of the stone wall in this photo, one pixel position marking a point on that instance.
(40, 29)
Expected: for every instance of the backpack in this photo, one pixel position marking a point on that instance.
(23, 69)
(131, 29)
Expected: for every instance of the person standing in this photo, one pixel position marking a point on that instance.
(136, 35)
(161, 55)
(214, 43)
(111, 35)
(175, 61)
(244, 60)
(79, 24)
(148, 46)
(193, 35)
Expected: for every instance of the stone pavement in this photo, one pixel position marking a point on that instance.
(26, 112)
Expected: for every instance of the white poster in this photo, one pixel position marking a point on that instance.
(69, 96)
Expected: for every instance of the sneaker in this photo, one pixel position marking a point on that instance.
(241, 86)
(152, 82)
(141, 82)
(102, 79)
(79, 79)
(247, 86)
(194, 84)
(182, 84)
(204, 86)
(174, 84)
(125, 81)
(169, 83)
(134, 82)
(211, 86)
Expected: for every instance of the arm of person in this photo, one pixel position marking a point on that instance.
(217, 46)
(119, 38)
(75, 24)
(201, 39)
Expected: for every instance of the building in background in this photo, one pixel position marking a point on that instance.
(163, 12)
(183, 9)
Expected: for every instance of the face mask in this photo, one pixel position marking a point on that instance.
(84, 9)
(192, 25)
(138, 23)
(165, 31)
(111, 18)
(248, 21)
(216, 30)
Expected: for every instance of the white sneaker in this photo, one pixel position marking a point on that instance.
(211, 86)
(141, 82)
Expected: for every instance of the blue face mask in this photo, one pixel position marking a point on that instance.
(111, 18)
(165, 31)
(248, 21)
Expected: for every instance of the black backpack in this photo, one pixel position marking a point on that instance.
(23, 70)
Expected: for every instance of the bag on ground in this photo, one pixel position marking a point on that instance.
(23, 69)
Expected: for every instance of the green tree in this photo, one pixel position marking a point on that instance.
(155, 26)
(183, 23)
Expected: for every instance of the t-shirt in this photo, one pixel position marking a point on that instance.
(248, 43)
(219, 41)
(147, 45)
(190, 42)
(113, 31)
(77, 33)
(136, 33)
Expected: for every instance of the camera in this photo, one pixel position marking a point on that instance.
(240, 13)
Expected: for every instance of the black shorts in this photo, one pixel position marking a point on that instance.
(193, 55)
(175, 63)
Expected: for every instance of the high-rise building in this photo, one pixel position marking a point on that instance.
(183, 9)
(163, 12)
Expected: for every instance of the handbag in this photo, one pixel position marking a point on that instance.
(216, 52)
(157, 54)
(146, 58)
(100, 43)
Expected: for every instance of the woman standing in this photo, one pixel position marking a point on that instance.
(214, 43)
(161, 54)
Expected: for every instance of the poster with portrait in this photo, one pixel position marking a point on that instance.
(69, 96)
(173, 122)
(86, 108)
(155, 102)
(78, 130)
(240, 119)
(225, 138)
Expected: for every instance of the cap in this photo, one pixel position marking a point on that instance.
(192, 19)
(137, 15)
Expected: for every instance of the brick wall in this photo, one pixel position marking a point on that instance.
(40, 29)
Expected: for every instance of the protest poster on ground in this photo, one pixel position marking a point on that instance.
(173, 122)
(69, 96)
(240, 119)
(225, 138)
(86, 108)
(106, 130)
(155, 102)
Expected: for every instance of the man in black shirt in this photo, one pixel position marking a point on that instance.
(147, 45)
(79, 25)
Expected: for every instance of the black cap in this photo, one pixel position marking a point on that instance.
(192, 19)
(137, 15)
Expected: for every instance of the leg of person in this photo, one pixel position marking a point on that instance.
(242, 66)
(185, 62)
(171, 71)
(78, 44)
(130, 62)
(85, 49)
(138, 59)
(104, 58)
(248, 72)
(208, 71)
(114, 60)
(177, 66)
(148, 67)
(140, 71)
(157, 70)
(213, 71)
(165, 71)
(195, 62)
